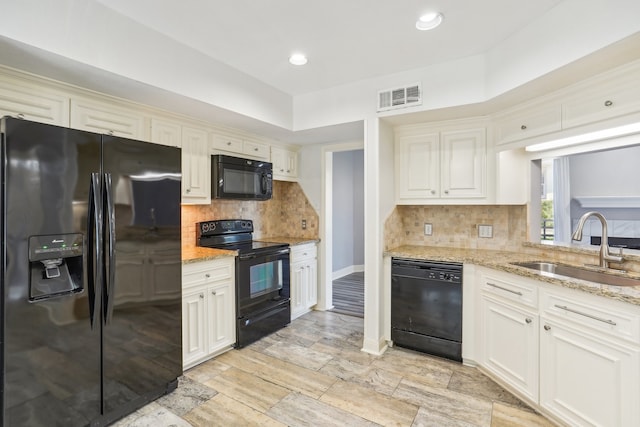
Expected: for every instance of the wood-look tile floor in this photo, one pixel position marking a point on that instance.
(312, 373)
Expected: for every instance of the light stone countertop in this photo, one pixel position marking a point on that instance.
(501, 260)
(198, 253)
(292, 241)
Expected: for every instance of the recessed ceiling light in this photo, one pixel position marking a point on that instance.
(298, 59)
(429, 21)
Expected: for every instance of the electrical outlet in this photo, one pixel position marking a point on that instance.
(485, 231)
(428, 229)
(304, 224)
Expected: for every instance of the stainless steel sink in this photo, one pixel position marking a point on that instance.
(563, 270)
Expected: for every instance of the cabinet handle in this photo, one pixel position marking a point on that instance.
(201, 296)
(523, 127)
(20, 116)
(599, 319)
(528, 320)
(608, 103)
(504, 289)
(547, 327)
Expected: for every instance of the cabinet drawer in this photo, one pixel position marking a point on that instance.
(256, 149)
(528, 123)
(588, 313)
(207, 272)
(508, 288)
(227, 143)
(106, 119)
(303, 252)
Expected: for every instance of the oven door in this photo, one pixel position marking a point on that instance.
(262, 280)
(236, 178)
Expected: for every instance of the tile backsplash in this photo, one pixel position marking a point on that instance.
(457, 226)
(280, 216)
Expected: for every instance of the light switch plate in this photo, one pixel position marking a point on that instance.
(485, 231)
(428, 229)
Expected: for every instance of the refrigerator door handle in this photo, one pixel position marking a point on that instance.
(110, 228)
(94, 247)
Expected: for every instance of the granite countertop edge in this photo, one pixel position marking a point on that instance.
(292, 241)
(501, 260)
(199, 254)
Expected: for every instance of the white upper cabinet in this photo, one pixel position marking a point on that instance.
(527, 122)
(30, 102)
(239, 147)
(285, 164)
(98, 117)
(447, 165)
(612, 95)
(165, 132)
(196, 166)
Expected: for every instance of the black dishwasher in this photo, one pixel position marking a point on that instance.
(426, 306)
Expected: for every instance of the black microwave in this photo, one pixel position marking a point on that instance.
(237, 178)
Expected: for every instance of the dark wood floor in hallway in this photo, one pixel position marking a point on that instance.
(348, 295)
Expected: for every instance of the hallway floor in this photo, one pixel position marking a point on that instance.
(312, 373)
(348, 295)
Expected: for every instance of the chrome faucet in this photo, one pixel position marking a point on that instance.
(605, 256)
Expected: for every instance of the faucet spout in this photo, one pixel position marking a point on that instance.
(605, 255)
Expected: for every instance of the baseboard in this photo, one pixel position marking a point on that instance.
(346, 271)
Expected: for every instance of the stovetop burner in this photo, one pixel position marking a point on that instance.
(232, 234)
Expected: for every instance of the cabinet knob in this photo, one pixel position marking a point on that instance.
(20, 116)
(228, 142)
(110, 133)
(188, 190)
(201, 296)
(547, 327)
(528, 320)
(608, 103)
(255, 149)
(446, 191)
(207, 275)
(288, 171)
(433, 191)
(523, 127)
(213, 293)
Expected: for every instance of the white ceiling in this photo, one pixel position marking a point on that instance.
(345, 40)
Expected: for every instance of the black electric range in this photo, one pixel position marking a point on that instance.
(263, 303)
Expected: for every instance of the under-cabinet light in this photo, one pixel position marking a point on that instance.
(585, 137)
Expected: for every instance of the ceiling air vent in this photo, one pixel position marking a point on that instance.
(407, 96)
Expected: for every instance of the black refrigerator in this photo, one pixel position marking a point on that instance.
(91, 275)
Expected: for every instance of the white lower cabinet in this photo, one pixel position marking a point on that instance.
(304, 279)
(587, 380)
(511, 345)
(208, 310)
(573, 356)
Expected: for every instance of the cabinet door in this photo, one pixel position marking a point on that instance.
(312, 284)
(510, 345)
(255, 149)
(418, 166)
(464, 163)
(298, 287)
(106, 119)
(28, 102)
(528, 123)
(193, 327)
(221, 318)
(285, 163)
(586, 380)
(166, 133)
(196, 165)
